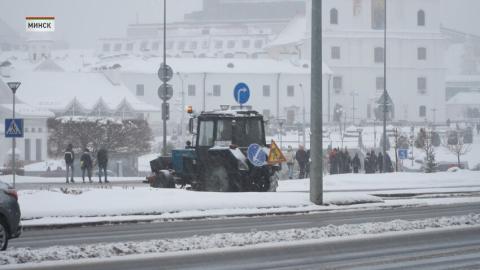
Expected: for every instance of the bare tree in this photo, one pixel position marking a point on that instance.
(459, 149)
(428, 148)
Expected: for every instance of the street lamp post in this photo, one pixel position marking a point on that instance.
(353, 94)
(13, 86)
(303, 116)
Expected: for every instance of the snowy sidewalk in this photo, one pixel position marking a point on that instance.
(104, 204)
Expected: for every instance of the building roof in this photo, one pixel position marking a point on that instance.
(464, 98)
(215, 65)
(56, 91)
(294, 33)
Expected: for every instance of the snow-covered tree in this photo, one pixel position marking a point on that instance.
(118, 136)
(459, 149)
(428, 148)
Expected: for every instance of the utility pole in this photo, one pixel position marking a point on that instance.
(164, 104)
(385, 87)
(316, 144)
(303, 116)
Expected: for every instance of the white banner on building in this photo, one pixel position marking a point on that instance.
(40, 24)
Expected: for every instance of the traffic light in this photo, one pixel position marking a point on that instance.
(165, 111)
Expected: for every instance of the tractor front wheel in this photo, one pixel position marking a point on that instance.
(216, 180)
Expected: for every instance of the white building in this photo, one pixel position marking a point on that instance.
(464, 106)
(33, 146)
(353, 49)
(279, 89)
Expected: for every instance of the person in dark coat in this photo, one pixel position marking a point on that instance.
(332, 161)
(102, 159)
(380, 162)
(356, 163)
(347, 161)
(86, 165)
(373, 162)
(307, 165)
(388, 163)
(69, 159)
(301, 157)
(367, 163)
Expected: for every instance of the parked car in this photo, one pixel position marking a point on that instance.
(9, 215)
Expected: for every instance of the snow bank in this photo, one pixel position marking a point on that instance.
(73, 202)
(224, 240)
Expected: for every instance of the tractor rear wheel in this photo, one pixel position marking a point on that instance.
(216, 180)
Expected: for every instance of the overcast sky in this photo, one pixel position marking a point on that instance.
(82, 22)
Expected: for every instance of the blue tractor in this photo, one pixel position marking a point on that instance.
(217, 161)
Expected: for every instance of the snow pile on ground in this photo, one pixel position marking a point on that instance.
(389, 181)
(71, 202)
(223, 240)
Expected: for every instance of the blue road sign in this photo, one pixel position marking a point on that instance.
(241, 93)
(13, 128)
(402, 153)
(256, 155)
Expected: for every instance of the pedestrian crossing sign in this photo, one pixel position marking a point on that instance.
(275, 155)
(13, 128)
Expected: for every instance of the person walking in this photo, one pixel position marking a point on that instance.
(86, 165)
(307, 165)
(301, 157)
(69, 159)
(356, 163)
(290, 157)
(367, 163)
(380, 162)
(331, 159)
(373, 162)
(347, 161)
(102, 159)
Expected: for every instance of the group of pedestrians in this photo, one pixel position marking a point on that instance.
(341, 162)
(375, 163)
(301, 157)
(86, 164)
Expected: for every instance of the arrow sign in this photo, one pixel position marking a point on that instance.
(256, 155)
(165, 73)
(13, 128)
(241, 93)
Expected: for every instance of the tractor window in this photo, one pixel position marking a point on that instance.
(248, 131)
(205, 138)
(224, 132)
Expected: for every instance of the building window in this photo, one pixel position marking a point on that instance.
(106, 47)
(33, 130)
(258, 43)
(140, 90)
(422, 111)
(193, 45)
(422, 85)
(290, 90)
(191, 90)
(206, 31)
(231, 44)
(378, 55)
(421, 18)
(205, 44)
(40, 130)
(143, 46)
(181, 45)
(266, 90)
(117, 47)
(155, 46)
(333, 16)
(246, 44)
(218, 44)
(27, 150)
(337, 84)
(380, 83)
(422, 53)
(217, 90)
(38, 150)
(335, 52)
(129, 46)
(378, 14)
